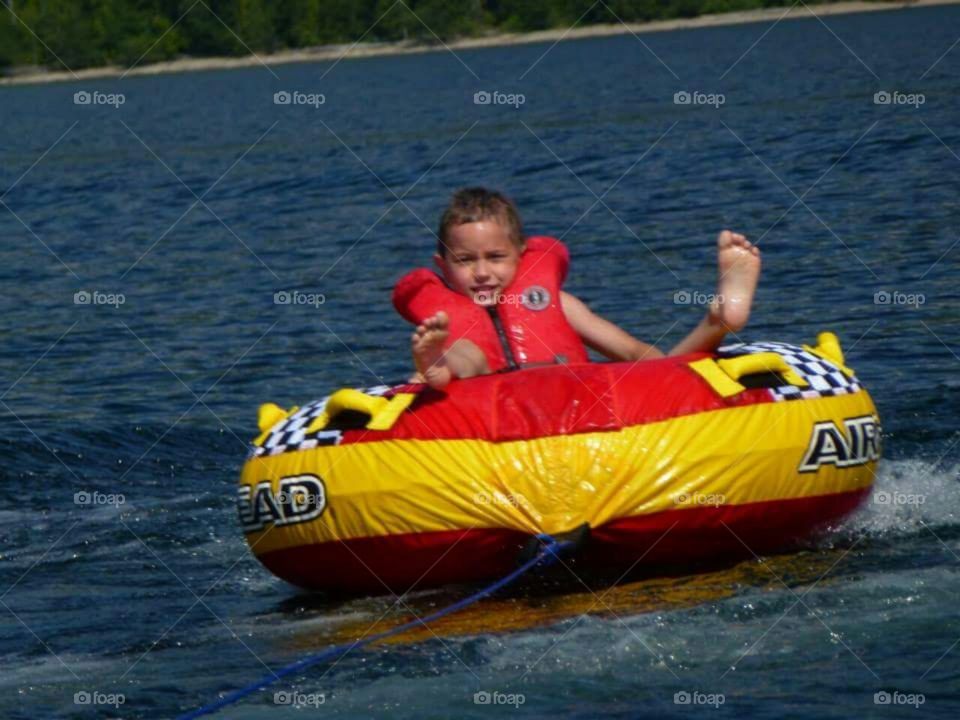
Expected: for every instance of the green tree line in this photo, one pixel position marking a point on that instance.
(84, 33)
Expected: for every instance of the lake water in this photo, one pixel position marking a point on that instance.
(198, 198)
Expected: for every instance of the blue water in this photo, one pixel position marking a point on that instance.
(159, 599)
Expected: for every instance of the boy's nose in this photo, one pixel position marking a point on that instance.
(480, 271)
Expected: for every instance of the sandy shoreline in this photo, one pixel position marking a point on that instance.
(347, 51)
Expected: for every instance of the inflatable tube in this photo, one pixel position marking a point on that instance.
(667, 462)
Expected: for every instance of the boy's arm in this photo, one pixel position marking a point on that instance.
(602, 335)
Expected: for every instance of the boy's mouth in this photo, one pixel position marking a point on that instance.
(484, 294)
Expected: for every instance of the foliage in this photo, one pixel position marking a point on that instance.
(83, 33)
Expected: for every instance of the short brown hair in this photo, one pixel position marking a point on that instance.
(469, 205)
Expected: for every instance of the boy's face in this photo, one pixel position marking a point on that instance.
(480, 261)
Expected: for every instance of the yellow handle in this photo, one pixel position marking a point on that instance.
(828, 347)
(348, 399)
(383, 413)
(722, 375)
(737, 367)
(268, 415)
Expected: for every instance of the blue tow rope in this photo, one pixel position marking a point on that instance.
(547, 555)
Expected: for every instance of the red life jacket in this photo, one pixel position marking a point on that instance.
(526, 327)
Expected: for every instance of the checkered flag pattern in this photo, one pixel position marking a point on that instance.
(290, 434)
(825, 379)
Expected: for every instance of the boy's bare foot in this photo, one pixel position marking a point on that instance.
(428, 354)
(738, 263)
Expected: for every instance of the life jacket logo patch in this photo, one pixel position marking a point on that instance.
(857, 443)
(298, 499)
(536, 297)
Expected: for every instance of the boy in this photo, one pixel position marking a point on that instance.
(481, 247)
